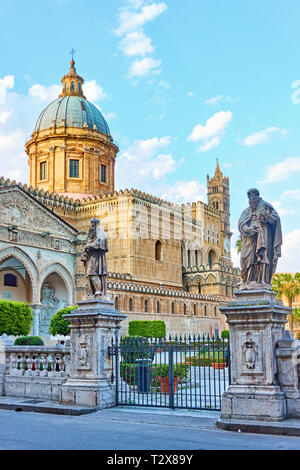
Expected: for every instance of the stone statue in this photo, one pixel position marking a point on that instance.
(94, 260)
(50, 307)
(261, 237)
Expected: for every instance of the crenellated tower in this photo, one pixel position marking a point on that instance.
(218, 197)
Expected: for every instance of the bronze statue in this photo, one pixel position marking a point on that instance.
(94, 260)
(261, 237)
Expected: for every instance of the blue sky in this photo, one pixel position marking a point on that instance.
(180, 83)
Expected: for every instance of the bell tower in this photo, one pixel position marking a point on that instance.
(218, 197)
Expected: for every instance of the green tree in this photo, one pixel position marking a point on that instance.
(58, 324)
(287, 285)
(16, 318)
(238, 245)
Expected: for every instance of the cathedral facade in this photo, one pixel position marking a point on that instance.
(165, 261)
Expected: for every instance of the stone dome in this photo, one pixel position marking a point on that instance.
(72, 111)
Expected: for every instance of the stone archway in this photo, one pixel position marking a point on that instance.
(66, 277)
(31, 269)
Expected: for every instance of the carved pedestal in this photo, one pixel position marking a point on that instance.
(256, 322)
(92, 327)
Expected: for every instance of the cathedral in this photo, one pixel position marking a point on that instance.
(165, 261)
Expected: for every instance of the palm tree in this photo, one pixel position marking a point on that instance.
(287, 285)
(238, 245)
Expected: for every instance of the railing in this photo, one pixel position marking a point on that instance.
(37, 361)
(181, 372)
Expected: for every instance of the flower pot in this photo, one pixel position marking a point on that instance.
(218, 365)
(164, 384)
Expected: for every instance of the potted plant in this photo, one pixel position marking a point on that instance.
(180, 372)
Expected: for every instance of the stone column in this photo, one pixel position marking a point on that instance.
(256, 322)
(36, 308)
(92, 326)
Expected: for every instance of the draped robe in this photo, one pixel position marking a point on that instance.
(261, 250)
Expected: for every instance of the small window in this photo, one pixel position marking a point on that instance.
(205, 310)
(10, 280)
(74, 168)
(43, 170)
(173, 308)
(199, 288)
(215, 311)
(157, 307)
(130, 305)
(116, 303)
(158, 250)
(79, 88)
(146, 306)
(103, 174)
(72, 86)
(195, 312)
(184, 309)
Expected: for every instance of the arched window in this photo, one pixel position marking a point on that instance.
(146, 306)
(196, 258)
(215, 311)
(205, 310)
(173, 308)
(130, 305)
(195, 312)
(184, 309)
(209, 260)
(10, 280)
(187, 288)
(72, 86)
(116, 303)
(189, 258)
(158, 250)
(199, 288)
(157, 307)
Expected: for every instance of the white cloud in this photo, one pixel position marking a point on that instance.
(218, 99)
(132, 17)
(142, 150)
(130, 20)
(215, 142)
(213, 127)
(282, 211)
(6, 83)
(190, 94)
(292, 194)
(44, 93)
(93, 91)
(263, 136)
(282, 170)
(164, 84)
(183, 191)
(4, 115)
(290, 259)
(143, 67)
(160, 166)
(136, 43)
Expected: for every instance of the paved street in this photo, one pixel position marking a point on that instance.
(134, 429)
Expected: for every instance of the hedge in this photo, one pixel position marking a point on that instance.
(29, 341)
(206, 359)
(16, 318)
(128, 372)
(225, 334)
(58, 324)
(147, 328)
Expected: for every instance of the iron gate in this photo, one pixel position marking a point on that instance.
(180, 372)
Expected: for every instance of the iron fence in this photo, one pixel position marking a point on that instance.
(179, 372)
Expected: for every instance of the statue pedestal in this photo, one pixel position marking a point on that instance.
(256, 322)
(92, 327)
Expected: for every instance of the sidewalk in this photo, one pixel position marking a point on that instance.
(184, 418)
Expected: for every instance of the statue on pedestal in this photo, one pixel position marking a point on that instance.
(94, 260)
(261, 237)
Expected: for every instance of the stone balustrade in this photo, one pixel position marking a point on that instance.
(35, 371)
(37, 361)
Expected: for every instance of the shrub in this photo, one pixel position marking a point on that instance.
(58, 324)
(16, 318)
(225, 334)
(206, 359)
(147, 328)
(29, 341)
(128, 372)
(135, 347)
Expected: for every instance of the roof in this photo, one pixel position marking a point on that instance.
(72, 111)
